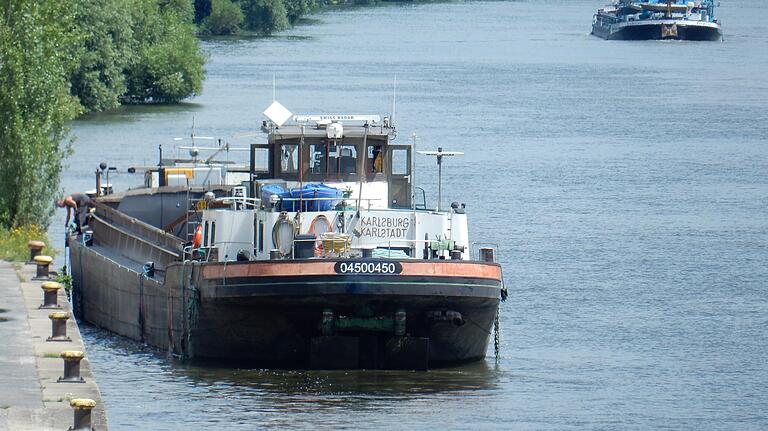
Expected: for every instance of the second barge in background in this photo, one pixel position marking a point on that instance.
(315, 255)
(658, 20)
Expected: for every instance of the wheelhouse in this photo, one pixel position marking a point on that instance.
(355, 155)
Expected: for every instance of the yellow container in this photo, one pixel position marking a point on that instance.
(336, 242)
(188, 172)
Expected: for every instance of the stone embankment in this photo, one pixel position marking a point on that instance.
(45, 377)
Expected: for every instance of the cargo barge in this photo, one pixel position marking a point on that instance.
(315, 254)
(658, 20)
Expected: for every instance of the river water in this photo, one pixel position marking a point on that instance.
(626, 182)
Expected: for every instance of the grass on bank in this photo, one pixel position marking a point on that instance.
(13, 242)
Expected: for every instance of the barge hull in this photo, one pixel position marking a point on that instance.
(659, 31)
(247, 317)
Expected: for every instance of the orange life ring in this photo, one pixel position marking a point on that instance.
(319, 226)
(198, 238)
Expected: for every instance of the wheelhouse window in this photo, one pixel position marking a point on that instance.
(400, 162)
(374, 163)
(342, 160)
(318, 159)
(289, 158)
(260, 160)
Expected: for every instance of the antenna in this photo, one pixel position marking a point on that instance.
(440, 154)
(394, 100)
(413, 173)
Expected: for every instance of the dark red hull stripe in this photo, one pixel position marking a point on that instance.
(301, 269)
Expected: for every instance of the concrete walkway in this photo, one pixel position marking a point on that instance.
(30, 396)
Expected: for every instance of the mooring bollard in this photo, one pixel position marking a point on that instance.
(50, 294)
(58, 326)
(72, 360)
(82, 408)
(43, 263)
(35, 248)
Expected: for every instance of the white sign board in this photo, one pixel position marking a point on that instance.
(384, 227)
(320, 118)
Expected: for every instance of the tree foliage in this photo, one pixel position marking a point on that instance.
(202, 10)
(106, 51)
(169, 63)
(136, 51)
(54, 54)
(265, 16)
(297, 8)
(225, 18)
(35, 106)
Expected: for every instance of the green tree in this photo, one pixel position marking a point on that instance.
(202, 10)
(35, 106)
(225, 18)
(169, 63)
(105, 52)
(297, 8)
(184, 9)
(265, 16)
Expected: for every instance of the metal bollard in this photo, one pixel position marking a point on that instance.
(82, 408)
(72, 360)
(58, 326)
(43, 262)
(486, 255)
(50, 294)
(35, 248)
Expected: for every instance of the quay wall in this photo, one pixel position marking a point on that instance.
(31, 397)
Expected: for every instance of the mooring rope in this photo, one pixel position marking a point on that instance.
(193, 314)
(497, 322)
(184, 308)
(141, 307)
(190, 300)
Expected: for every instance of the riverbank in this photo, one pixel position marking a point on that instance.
(31, 398)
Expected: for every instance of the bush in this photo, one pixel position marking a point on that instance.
(105, 52)
(121, 42)
(265, 16)
(169, 64)
(225, 18)
(296, 8)
(13, 242)
(202, 10)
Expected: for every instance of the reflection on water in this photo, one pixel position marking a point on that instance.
(135, 113)
(215, 390)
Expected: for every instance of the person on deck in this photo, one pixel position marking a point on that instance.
(78, 205)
